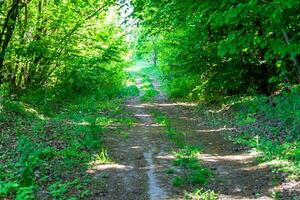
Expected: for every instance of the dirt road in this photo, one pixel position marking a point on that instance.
(141, 159)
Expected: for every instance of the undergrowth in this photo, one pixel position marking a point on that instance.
(272, 129)
(148, 89)
(49, 142)
(145, 72)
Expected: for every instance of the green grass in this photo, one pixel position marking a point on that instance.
(47, 145)
(200, 194)
(148, 89)
(192, 172)
(176, 136)
(125, 134)
(160, 118)
(273, 131)
(131, 89)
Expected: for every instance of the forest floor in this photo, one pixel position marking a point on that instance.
(145, 146)
(155, 158)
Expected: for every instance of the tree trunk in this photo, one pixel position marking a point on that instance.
(8, 30)
(296, 63)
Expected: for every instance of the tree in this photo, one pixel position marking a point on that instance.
(41, 39)
(226, 47)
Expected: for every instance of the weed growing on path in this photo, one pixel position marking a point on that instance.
(191, 172)
(200, 194)
(148, 89)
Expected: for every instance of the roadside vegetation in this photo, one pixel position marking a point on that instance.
(239, 61)
(62, 84)
(46, 151)
(271, 130)
(64, 75)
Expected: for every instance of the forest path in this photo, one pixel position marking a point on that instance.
(140, 159)
(144, 157)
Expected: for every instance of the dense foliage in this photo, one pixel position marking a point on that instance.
(63, 80)
(61, 69)
(244, 55)
(74, 45)
(215, 48)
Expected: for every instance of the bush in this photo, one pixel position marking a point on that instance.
(182, 86)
